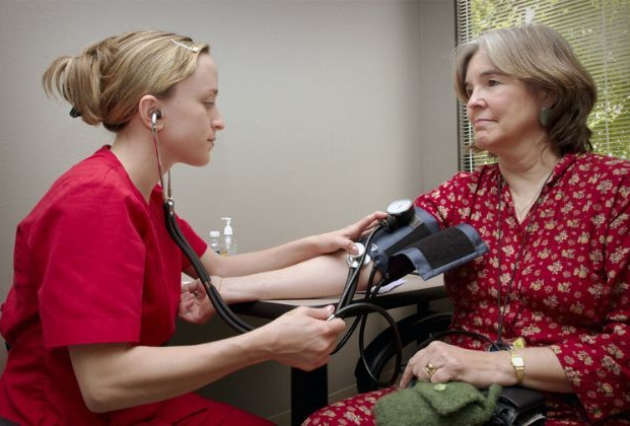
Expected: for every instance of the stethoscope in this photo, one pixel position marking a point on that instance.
(224, 312)
(398, 212)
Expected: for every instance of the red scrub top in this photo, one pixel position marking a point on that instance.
(93, 263)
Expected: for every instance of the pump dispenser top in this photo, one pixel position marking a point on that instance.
(228, 226)
(228, 246)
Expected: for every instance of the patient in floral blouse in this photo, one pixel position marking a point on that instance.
(556, 218)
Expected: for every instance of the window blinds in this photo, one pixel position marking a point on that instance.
(598, 31)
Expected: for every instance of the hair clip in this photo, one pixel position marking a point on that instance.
(192, 49)
(74, 112)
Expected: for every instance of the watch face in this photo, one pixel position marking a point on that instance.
(518, 361)
(399, 206)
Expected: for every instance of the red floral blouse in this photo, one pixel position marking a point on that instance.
(566, 268)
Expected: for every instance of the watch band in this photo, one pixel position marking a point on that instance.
(519, 366)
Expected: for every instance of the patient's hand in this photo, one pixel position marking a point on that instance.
(441, 362)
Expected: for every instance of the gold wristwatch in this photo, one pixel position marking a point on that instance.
(519, 366)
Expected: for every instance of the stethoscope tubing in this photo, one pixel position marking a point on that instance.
(345, 306)
(222, 309)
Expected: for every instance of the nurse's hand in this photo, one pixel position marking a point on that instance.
(343, 239)
(303, 338)
(194, 304)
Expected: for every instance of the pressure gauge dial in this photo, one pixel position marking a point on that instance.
(399, 206)
(402, 210)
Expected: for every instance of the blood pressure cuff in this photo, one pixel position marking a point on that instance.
(421, 246)
(445, 250)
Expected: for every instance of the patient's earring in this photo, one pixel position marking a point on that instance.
(545, 113)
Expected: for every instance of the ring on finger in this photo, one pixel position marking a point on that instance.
(430, 369)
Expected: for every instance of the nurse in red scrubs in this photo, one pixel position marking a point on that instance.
(97, 278)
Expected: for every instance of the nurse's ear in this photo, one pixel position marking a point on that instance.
(149, 112)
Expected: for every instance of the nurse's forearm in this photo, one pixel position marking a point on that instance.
(116, 376)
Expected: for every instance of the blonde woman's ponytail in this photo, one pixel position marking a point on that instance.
(78, 81)
(106, 82)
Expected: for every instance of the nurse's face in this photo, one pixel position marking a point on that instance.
(503, 110)
(191, 118)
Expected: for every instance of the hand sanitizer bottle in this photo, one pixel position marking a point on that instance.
(228, 248)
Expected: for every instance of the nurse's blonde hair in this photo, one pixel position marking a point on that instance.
(106, 82)
(543, 59)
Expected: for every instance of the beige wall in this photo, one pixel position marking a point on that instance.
(333, 109)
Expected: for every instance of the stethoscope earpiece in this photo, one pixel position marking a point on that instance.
(155, 116)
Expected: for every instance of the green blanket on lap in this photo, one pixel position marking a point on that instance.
(448, 404)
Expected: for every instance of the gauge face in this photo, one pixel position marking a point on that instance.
(399, 206)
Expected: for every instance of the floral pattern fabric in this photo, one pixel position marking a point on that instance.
(570, 261)
(353, 411)
(565, 270)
